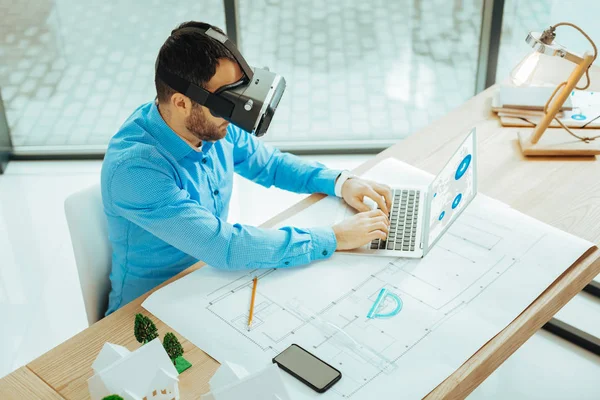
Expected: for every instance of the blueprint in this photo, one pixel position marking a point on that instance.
(488, 267)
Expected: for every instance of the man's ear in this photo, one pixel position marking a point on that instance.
(181, 104)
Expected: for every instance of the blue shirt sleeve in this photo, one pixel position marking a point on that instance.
(267, 166)
(146, 193)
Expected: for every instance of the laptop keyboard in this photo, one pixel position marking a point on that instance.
(403, 222)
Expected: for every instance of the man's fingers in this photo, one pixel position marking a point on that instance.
(377, 213)
(381, 226)
(376, 197)
(386, 192)
(359, 205)
(383, 219)
(377, 235)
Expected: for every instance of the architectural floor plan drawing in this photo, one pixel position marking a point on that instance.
(431, 314)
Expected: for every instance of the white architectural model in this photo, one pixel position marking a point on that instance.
(233, 382)
(144, 374)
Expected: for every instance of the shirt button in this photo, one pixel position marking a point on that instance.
(204, 160)
(216, 192)
(325, 252)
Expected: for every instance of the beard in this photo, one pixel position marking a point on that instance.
(203, 129)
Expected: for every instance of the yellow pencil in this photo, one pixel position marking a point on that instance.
(251, 314)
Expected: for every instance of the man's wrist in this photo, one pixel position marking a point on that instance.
(341, 179)
(324, 243)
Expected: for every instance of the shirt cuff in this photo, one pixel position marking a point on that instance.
(324, 243)
(324, 182)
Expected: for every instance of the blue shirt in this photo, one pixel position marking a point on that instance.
(167, 205)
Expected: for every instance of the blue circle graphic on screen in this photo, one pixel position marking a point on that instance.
(456, 201)
(442, 215)
(462, 167)
(578, 117)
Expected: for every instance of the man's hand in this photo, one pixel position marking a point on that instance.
(361, 229)
(355, 189)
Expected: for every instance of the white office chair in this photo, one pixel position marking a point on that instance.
(89, 235)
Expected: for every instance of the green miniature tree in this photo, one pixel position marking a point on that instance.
(172, 346)
(112, 397)
(144, 329)
(175, 352)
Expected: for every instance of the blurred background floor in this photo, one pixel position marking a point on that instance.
(72, 71)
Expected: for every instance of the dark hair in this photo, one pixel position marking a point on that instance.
(190, 55)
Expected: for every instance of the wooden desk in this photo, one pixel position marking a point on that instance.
(558, 191)
(24, 384)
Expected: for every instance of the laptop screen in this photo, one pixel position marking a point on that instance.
(453, 189)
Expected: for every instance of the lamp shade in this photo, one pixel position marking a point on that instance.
(537, 69)
(525, 71)
(547, 64)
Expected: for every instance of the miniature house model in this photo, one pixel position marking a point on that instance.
(233, 382)
(144, 374)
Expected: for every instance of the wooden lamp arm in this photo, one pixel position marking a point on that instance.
(557, 103)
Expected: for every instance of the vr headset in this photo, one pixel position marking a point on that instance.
(249, 103)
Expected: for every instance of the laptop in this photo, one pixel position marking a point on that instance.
(421, 215)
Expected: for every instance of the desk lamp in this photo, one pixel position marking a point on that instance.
(557, 142)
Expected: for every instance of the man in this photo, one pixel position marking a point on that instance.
(167, 179)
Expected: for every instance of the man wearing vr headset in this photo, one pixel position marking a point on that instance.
(168, 172)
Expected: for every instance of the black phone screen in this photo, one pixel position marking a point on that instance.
(311, 370)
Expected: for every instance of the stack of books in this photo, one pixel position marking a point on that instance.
(524, 106)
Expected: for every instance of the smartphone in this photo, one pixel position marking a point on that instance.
(307, 368)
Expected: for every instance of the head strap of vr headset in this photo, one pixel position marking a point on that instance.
(197, 93)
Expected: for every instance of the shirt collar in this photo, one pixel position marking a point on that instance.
(175, 145)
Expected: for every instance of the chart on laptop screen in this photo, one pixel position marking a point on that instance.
(452, 189)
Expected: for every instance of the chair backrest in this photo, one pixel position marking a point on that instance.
(89, 235)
